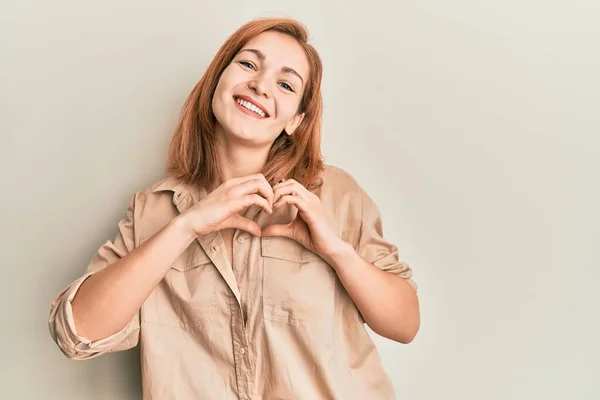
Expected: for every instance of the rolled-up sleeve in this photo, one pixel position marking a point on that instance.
(374, 248)
(61, 322)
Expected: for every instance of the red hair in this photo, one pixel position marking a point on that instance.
(192, 154)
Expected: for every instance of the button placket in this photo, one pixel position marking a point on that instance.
(215, 252)
(241, 354)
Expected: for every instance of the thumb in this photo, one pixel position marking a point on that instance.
(237, 221)
(278, 230)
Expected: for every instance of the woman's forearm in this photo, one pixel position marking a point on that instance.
(387, 302)
(108, 299)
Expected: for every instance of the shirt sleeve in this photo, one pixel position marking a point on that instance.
(61, 321)
(373, 247)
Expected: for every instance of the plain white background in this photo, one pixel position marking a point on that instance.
(473, 124)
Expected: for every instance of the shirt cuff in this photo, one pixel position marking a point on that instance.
(73, 344)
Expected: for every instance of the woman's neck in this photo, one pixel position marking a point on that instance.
(236, 160)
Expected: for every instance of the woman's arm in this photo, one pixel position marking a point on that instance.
(387, 302)
(108, 299)
(382, 291)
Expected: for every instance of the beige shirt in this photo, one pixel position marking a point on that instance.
(277, 324)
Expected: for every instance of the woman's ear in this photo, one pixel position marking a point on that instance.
(293, 124)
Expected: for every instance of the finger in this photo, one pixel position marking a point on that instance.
(300, 188)
(251, 199)
(284, 183)
(282, 191)
(299, 202)
(243, 223)
(242, 179)
(277, 230)
(290, 182)
(257, 185)
(294, 189)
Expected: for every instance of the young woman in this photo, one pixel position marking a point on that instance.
(250, 270)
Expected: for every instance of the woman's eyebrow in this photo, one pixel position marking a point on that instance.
(284, 69)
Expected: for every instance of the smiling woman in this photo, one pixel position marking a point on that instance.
(266, 65)
(259, 80)
(251, 269)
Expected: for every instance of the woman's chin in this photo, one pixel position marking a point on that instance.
(243, 135)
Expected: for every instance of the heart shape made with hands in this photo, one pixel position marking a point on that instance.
(310, 227)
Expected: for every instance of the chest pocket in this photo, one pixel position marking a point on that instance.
(188, 294)
(298, 285)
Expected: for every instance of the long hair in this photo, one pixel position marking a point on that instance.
(192, 154)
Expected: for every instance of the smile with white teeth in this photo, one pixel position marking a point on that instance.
(251, 107)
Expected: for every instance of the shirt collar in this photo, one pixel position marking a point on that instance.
(184, 195)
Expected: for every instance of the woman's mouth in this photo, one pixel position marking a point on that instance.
(250, 108)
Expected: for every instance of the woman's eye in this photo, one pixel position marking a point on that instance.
(286, 86)
(247, 64)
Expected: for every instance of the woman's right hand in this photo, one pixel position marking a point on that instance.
(220, 209)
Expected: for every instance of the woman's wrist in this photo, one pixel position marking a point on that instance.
(339, 253)
(181, 224)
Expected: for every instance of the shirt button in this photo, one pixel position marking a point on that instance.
(242, 351)
(240, 239)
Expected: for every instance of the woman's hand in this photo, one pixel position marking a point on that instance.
(220, 209)
(311, 227)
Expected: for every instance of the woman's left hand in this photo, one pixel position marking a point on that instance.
(310, 228)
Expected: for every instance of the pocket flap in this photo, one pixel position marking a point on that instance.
(284, 248)
(192, 257)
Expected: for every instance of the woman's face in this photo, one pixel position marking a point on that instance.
(258, 94)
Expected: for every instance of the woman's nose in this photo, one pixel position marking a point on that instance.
(259, 85)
